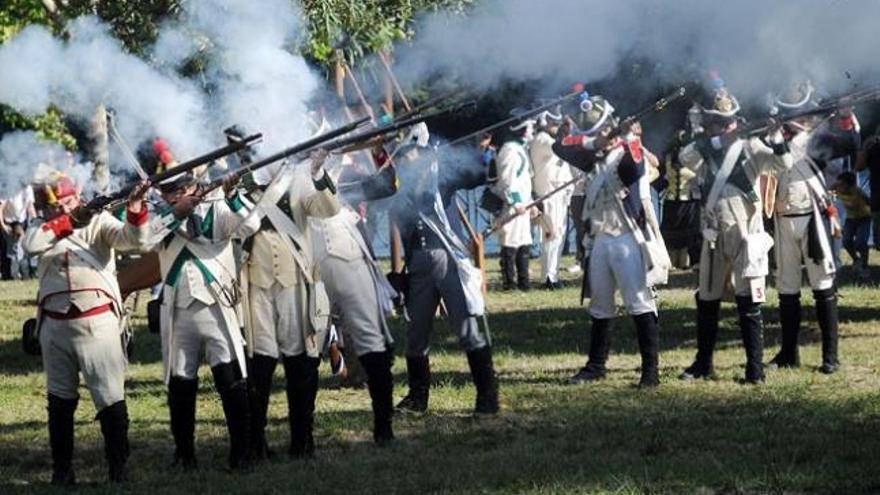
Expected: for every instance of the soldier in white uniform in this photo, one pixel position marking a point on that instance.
(514, 187)
(735, 246)
(79, 319)
(803, 212)
(623, 246)
(200, 296)
(550, 173)
(288, 311)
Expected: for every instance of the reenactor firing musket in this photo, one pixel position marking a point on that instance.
(116, 198)
(827, 107)
(621, 128)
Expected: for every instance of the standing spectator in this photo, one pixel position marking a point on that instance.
(858, 222)
(15, 213)
(869, 159)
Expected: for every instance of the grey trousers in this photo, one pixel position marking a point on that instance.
(352, 291)
(433, 275)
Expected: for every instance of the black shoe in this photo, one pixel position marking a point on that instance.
(380, 383)
(182, 408)
(302, 389)
(233, 389)
(483, 374)
(418, 372)
(114, 427)
(649, 346)
(600, 343)
(61, 439)
(587, 375)
(707, 335)
(751, 327)
(828, 368)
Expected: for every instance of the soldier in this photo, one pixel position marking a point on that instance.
(681, 208)
(288, 312)
(198, 316)
(439, 269)
(803, 208)
(735, 246)
(514, 186)
(79, 314)
(622, 244)
(550, 173)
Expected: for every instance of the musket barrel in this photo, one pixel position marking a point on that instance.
(102, 201)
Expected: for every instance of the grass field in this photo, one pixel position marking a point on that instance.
(802, 432)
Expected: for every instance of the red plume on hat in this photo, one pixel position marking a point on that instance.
(163, 151)
(63, 187)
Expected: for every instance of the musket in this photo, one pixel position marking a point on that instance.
(656, 107)
(296, 150)
(429, 103)
(340, 146)
(524, 115)
(828, 107)
(109, 200)
(509, 218)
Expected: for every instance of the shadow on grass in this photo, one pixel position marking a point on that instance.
(574, 439)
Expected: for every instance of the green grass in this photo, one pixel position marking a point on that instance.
(802, 432)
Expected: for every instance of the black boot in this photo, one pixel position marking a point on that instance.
(380, 382)
(61, 439)
(790, 320)
(649, 346)
(522, 267)
(182, 406)
(418, 373)
(826, 313)
(483, 374)
(599, 345)
(707, 335)
(233, 390)
(114, 427)
(752, 328)
(507, 260)
(302, 390)
(260, 371)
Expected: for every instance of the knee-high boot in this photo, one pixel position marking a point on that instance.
(752, 328)
(600, 344)
(302, 390)
(61, 439)
(114, 427)
(507, 260)
(380, 383)
(260, 371)
(707, 336)
(790, 320)
(826, 313)
(649, 346)
(182, 407)
(483, 374)
(236, 407)
(522, 267)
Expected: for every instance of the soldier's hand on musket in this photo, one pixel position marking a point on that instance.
(136, 198)
(520, 208)
(318, 157)
(230, 183)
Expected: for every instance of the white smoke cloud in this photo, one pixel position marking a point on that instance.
(258, 82)
(91, 69)
(24, 157)
(755, 44)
